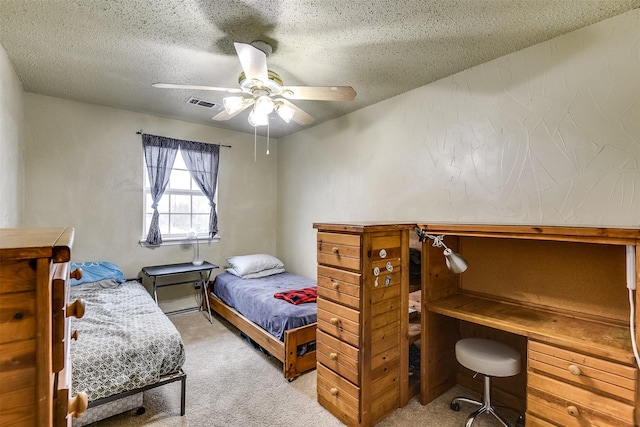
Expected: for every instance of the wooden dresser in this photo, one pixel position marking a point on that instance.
(362, 345)
(35, 376)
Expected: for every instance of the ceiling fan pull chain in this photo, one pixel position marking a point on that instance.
(255, 142)
(267, 139)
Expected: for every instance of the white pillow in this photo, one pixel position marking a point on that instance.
(263, 273)
(249, 264)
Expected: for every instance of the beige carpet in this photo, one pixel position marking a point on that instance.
(231, 384)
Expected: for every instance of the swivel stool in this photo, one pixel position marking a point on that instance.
(491, 359)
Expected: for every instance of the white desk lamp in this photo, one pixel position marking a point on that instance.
(193, 234)
(454, 261)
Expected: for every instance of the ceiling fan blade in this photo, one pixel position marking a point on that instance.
(223, 115)
(253, 61)
(319, 93)
(195, 87)
(300, 116)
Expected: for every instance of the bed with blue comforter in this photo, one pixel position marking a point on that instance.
(254, 299)
(284, 330)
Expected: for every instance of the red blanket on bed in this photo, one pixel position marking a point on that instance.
(298, 296)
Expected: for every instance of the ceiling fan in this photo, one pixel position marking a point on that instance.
(264, 90)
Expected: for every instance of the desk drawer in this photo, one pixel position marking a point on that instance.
(568, 405)
(534, 421)
(339, 285)
(339, 356)
(590, 372)
(338, 395)
(340, 250)
(339, 321)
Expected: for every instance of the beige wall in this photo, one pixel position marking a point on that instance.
(546, 135)
(11, 144)
(85, 169)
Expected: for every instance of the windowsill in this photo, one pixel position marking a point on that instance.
(179, 241)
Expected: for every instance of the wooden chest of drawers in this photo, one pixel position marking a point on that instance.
(34, 371)
(362, 349)
(568, 388)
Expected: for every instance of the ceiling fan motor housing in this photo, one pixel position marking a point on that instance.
(273, 85)
(263, 46)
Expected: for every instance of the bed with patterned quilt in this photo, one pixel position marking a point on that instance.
(274, 308)
(125, 343)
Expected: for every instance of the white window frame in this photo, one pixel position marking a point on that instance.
(175, 238)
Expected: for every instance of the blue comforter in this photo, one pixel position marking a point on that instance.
(253, 298)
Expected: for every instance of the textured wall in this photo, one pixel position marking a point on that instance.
(546, 135)
(85, 170)
(11, 144)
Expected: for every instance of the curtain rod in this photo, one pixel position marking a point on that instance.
(221, 145)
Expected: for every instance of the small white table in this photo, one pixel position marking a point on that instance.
(162, 271)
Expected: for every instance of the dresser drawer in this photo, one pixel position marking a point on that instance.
(17, 379)
(339, 321)
(569, 405)
(340, 250)
(59, 323)
(590, 372)
(338, 395)
(339, 356)
(17, 276)
(339, 285)
(17, 316)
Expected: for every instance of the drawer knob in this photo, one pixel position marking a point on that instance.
(335, 285)
(573, 411)
(76, 274)
(575, 370)
(78, 404)
(74, 335)
(76, 309)
(333, 391)
(333, 356)
(334, 321)
(334, 250)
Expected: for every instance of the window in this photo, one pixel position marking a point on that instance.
(182, 206)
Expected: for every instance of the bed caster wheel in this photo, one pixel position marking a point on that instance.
(140, 410)
(520, 421)
(454, 406)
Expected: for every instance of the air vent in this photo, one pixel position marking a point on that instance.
(201, 102)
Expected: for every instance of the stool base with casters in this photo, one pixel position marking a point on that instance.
(489, 358)
(485, 406)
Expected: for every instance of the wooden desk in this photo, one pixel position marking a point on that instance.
(606, 340)
(556, 294)
(161, 271)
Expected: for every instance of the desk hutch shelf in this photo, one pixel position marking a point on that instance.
(558, 295)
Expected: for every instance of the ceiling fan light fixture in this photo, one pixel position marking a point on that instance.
(233, 104)
(285, 112)
(258, 119)
(260, 86)
(264, 105)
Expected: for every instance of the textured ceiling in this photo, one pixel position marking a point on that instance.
(109, 52)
